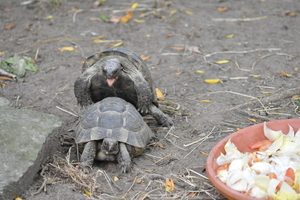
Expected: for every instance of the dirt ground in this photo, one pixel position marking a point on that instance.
(259, 38)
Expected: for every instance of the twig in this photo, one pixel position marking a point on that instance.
(198, 174)
(238, 52)
(130, 186)
(66, 111)
(238, 19)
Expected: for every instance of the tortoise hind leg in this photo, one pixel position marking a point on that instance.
(124, 158)
(88, 155)
(160, 117)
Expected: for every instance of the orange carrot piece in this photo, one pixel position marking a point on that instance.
(290, 176)
(261, 145)
(272, 175)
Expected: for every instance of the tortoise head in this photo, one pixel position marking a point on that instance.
(112, 69)
(110, 146)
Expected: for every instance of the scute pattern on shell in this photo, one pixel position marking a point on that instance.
(113, 118)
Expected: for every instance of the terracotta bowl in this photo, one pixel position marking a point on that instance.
(243, 139)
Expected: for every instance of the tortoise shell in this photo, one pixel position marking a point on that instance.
(114, 118)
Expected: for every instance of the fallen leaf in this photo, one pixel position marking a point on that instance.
(207, 101)
(293, 14)
(5, 78)
(2, 84)
(266, 92)
(74, 9)
(177, 48)
(252, 120)
(178, 73)
(203, 153)
(49, 17)
(97, 40)
(127, 17)
(173, 12)
(188, 12)
(212, 81)
(238, 129)
(256, 76)
(222, 9)
(86, 192)
(65, 49)
(199, 71)
(9, 26)
(229, 36)
(117, 44)
(169, 35)
(159, 94)
(18, 198)
(295, 97)
(148, 35)
(145, 57)
(191, 194)
(194, 49)
(116, 178)
(160, 145)
(222, 62)
(107, 18)
(169, 185)
(1, 53)
(139, 20)
(296, 69)
(115, 19)
(139, 181)
(7, 9)
(282, 73)
(149, 170)
(171, 67)
(134, 6)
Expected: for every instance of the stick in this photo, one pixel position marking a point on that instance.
(238, 19)
(237, 52)
(66, 111)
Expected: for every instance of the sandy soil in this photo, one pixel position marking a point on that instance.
(264, 41)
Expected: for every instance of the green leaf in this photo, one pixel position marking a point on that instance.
(104, 17)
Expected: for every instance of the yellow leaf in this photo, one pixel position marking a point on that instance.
(133, 6)
(265, 92)
(295, 97)
(293, 14)
(173, 12)
(97, 40)
(65, 49)
(177, 48)
(206, 101)
(256, 76)
(1, 53)
(285, 74)
(222, 9)
(18, 198)
(145, 57)
(296, 69)
(126, 18)
(188, 12)
(74, 9)
(116, 178)
(86, 192)
(117, 44)
(139, 181)
(229, 36)
(222, 62)
(199, 71)
(212, 81)
(49, 17)
(169, 185)
(148, 35)
(252, 120)
(159, 94)
(139, 20)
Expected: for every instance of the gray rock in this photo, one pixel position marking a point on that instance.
(26, 139)
(4, 102)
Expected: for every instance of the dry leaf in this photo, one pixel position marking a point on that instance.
(86, 192)
(74, 9)
(115, 19)
(160, 145)
(1, 52)
(207, 101)
(191, 194)
(178, 73)
(134, 6)
(148, 35)
(5, 78)
(188, 12)
(229, 36)
(252, 120)
(222, 9)
(265, 92)
(127, 17)
(117, 44)
(49, 17)
(177, 48)
(9, 26)
(159, 94)
(139, 181)
(173, 12)
(238, 129)
(199, 71)
(18, 198)
(295, 97)
(139, 20)
(97, 40)
(169, 35)
(256, 76)
(2, 84)
(282, 73)
(149, 170)
(212, 81)
(145, 57)
(65, 49)
(116, 178)
(194, 49)
(7, 9)
(203, 153)
(169, 185)
(293, 14)
(222, 62)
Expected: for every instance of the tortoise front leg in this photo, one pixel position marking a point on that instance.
(160, 117)
(124, 158)
(88, 156)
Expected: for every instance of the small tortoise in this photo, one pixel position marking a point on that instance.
(119, 72)
(112, 130)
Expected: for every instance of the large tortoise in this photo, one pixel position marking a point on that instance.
(112, 130)
(119, 72)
